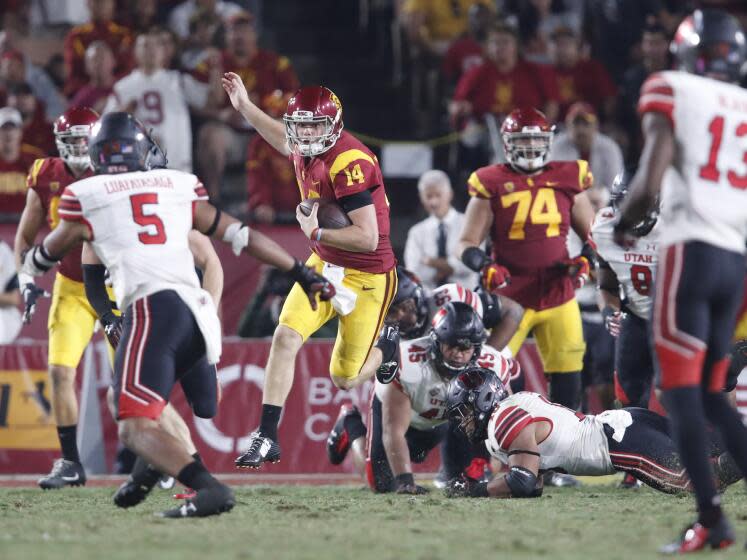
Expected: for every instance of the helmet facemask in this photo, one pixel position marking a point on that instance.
(448, 368)
(529, 149)
(72, 145)
(304, 144)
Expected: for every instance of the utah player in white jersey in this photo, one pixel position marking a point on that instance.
(408, 416)
(695, 125)
(625, 278)
(530, 434)
(160, 98)
(137, 218)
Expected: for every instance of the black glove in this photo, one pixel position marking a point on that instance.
(30, 293)
(388, 343)
(475, 258)
(312, 283)
(406, 485)
(492, 313)
(463, 486)
(113, 326)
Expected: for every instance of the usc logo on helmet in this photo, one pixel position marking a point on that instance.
(336, 101)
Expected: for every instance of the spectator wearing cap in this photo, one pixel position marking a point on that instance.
(582, 140)
(100, 70)
(655, 57)
(181, 15)
(271, 184)
(504, 81)
(580, 79)
(466, 51)
(270, 81)
(37, 130)
(14, 70)
(100, 28)
(15, 160)
(430, 246)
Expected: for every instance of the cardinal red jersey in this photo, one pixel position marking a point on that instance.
(348, 168)
(13, 179)
(531, 217)
(48, 177)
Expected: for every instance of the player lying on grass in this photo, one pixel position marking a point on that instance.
(137, 217)
(530, 435)
(408, 415)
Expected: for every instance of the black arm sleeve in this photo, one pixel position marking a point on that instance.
(93, 278)
(355, 201)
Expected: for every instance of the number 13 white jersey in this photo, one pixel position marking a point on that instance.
(139, 223)
(705, 199)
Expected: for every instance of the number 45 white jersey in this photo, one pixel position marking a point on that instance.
(139, 223)
(635, 268)
(705, 199)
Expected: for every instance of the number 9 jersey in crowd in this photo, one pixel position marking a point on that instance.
(139, 223)
(704, 198)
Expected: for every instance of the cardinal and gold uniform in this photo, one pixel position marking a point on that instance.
(71, 318)
(346, 169)
(532, 215)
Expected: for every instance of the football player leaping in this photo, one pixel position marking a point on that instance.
(694, 125)
(530, 434)
(137, 218)
(358, 259)
(527, 207)
(407, 417)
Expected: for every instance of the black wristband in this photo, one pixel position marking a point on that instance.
(474, 258)
(211, 230)
(405, 479)
(296, 271)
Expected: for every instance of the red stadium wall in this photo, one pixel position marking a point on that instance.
(28, 442)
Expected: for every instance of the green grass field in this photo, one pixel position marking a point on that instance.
(325, 522)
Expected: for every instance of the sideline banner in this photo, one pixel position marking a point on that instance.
(28, 439)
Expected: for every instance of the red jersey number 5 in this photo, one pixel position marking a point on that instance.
(150, 236)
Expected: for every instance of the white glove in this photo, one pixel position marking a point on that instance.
(237, 235)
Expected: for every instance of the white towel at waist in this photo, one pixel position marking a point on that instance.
(344, 300)
(202, 307)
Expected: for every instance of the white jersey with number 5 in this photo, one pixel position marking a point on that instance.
(705, 199)
(139, 223)
(426, 388)
(635, 268)
(161, 101)
(576, 444)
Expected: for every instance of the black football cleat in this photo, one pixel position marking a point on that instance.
(213, 500)
(261, 450)
(64, 473)
(629, 482)
(136, 488)
(696, 538)
(338, 442)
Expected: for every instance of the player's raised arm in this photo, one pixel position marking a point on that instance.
(215, 223)
(271, 130)
(658, 154)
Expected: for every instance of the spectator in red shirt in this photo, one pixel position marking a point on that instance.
(37, 131)
(270, 80)
(15, 160)
(100, 28)
(580, 79)
(504, 81)
(271, 183)
(466, 51)
(100, 69)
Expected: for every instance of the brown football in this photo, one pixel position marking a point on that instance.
(330, 214)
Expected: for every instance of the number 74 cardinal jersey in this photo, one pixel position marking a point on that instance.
(139, 223)
(705, 198)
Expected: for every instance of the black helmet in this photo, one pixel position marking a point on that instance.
(620, 190)
(710, 43)
(410, 295)
(119, 143)
(456, 324)
(474, 394)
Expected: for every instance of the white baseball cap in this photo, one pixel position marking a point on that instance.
(9, 115)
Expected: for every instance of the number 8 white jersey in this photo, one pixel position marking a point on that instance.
(635, 268)
(139, 223)
(705, 198)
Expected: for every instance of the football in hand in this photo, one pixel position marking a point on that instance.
(330, 214)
